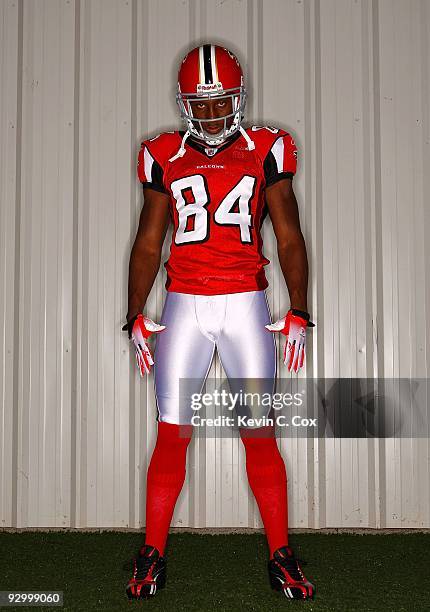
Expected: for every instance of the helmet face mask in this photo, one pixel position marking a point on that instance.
(203, 76)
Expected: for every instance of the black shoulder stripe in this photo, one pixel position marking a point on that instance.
(270, 167)
(157, 173)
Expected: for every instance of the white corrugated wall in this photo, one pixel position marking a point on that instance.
(82, 82)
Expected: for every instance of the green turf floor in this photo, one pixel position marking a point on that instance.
(222, 572)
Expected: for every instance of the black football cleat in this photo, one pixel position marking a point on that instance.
(286, 575)
(149, 574)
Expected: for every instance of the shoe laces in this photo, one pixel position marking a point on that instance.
(292, 565)
(143, 564)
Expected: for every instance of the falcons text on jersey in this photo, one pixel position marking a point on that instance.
(217, 206)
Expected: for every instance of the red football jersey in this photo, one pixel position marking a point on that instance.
(217, 206)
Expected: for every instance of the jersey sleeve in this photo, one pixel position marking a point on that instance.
(281, 160)
(149, 170)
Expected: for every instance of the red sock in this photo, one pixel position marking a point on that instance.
(268, 481)
(166, 475)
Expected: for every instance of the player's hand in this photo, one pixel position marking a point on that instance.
(293, 326)
(139, 329)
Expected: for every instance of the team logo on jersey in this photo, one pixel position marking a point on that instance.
(214, 166)
(210, 151)
(203, 88)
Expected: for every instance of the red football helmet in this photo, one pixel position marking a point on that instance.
(211, 71)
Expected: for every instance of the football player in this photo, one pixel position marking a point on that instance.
(215, 182)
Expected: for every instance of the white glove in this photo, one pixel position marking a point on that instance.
(293, 326)
(139, 329)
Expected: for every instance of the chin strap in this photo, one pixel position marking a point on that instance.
(249, 141)
(181, 150)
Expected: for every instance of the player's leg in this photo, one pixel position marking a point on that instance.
(248, 356)
(267, 479)
(165, 478)
(183, 355)
(182, 352)
(246, 348)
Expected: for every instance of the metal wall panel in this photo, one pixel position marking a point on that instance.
(83, 82)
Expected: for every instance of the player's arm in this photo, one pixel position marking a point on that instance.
(146, 252)
(284, 214)
(144, 264)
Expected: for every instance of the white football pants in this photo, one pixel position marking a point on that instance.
(195, 325)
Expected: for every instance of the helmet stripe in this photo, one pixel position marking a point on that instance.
(214, 64)
(201, 66)
(207, 63)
